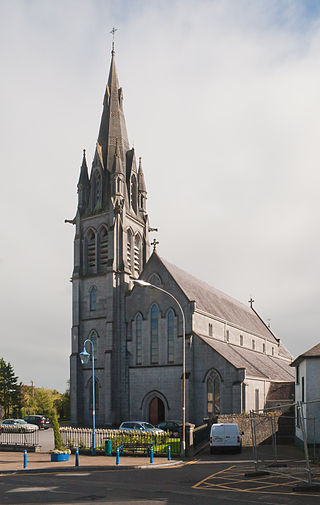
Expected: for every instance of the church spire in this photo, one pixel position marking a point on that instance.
(113, 125)
(142, 189)
(83, 184)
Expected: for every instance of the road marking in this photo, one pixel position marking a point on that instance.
(32, 489)
(226, 480)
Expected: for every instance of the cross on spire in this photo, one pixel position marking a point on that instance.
(251, 301)
(154, 243)
(113, 31)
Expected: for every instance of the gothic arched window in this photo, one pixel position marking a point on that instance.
(139, 339)
(213, 393)
(170, 336)
(93, 298)
(133, 193)
(137, 255)
(129, 249)
(155, 280)
(103, 249)
(91, 251)
(154, 334)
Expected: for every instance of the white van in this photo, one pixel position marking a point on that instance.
(225, 436)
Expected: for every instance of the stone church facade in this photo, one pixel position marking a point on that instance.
(232, 357)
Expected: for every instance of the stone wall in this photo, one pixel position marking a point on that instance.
(262, 423)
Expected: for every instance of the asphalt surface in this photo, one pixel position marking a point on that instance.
(204, 480)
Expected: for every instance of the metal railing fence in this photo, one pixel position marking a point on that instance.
(19, 438)
(134, 441)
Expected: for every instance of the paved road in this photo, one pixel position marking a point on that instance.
(205, 481)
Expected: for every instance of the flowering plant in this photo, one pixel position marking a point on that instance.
(63, 451)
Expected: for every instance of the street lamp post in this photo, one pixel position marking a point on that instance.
(147, 284)
(84, 357)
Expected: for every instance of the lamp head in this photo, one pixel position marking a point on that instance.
(84, 357)
(141, 282)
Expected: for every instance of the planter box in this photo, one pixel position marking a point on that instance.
(59, 457)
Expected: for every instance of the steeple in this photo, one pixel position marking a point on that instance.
(83, 185)
(112, 125)
(141, 189)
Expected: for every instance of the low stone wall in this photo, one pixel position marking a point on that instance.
(262, 422)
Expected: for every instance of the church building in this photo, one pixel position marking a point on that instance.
(232, 359)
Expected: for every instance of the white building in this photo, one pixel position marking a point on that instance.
(307, 389)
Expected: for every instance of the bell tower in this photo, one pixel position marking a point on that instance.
(110, 245)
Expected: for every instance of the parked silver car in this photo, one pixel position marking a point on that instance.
(17, 425)
(139, 426)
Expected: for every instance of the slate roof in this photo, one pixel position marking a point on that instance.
(255, 363)
(280, 390)
(314, 352)
(217, 303)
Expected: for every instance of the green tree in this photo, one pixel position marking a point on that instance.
(10, 390)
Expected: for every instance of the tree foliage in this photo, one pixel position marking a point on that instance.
(10, 391)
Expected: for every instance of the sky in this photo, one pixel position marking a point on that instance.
(222, 102)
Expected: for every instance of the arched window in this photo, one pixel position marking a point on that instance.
(103, 250)
(91, 251)
(213, 393)
(155, 280)
(170, 335)
(93, 298)
(139, 339)
(96, 394)
(97, 189)
(129, 249)
(133, 193)
(154, 334)
(137, 255)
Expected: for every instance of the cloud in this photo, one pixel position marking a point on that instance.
(221, 101)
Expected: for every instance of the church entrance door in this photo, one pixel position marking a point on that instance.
(156, 411)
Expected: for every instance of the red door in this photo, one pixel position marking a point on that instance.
(156, 411)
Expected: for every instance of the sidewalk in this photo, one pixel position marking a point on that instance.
(11, 462)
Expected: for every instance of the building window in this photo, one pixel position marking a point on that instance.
(133, 193)
(264, 348)
(155, 279)
(297, 375)
(210, 330)
(170, 335)
(241, 340)
(302, 389)
(272, 351)
(227, 336)
(103, 252)
(91, 251)
(243, 397)
(213, 393)
(154, 334)
(137, 255)
(256, 400)
(93, 298)
(253, 344)
(139, 339)
(129, 249)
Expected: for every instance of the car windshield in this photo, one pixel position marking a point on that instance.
(148, 425)
(20, 421)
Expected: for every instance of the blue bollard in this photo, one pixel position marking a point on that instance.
(77, 457)
(151, 454)
(169, 453)
(25, 459)
(117, 457)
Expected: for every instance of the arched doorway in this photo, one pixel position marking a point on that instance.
(156, 411)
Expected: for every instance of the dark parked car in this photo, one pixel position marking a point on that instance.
(173, 427)
(42, 422)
